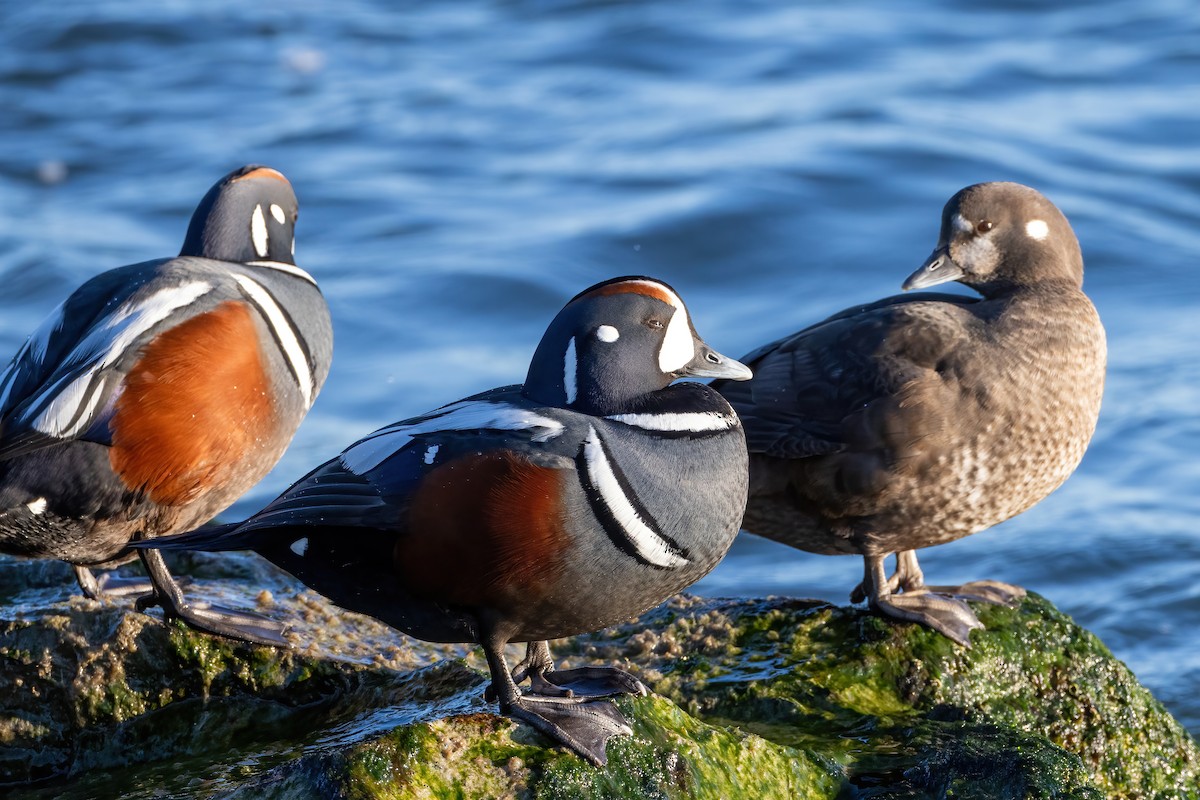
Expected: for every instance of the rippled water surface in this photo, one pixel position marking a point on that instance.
(464, 168)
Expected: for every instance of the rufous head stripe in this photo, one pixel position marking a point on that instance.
(640, 286)
(261, 172)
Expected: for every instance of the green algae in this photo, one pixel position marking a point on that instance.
(756, 698)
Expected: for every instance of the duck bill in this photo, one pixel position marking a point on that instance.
(938, 268)
(708, 363)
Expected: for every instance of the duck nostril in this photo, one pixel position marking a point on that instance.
(712, 358)
(934, 265)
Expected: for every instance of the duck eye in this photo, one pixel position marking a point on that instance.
(983, 226)
(655, 324)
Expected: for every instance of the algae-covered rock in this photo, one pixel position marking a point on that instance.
(755, 698)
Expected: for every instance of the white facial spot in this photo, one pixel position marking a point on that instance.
(1037, 229)
(300, 546)
(258, 232)
(962, 224)
(678, 348)
(277, 213)
(36, 507)
(570, 363)
(607, 333)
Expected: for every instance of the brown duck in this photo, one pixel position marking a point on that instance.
(919, 419)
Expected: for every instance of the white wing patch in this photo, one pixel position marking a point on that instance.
(258, 231)
(431, 453)
(105, 343)
(283, 334)
(466, 415)
(689, 422)
(299, 547)
(645, 540)
(37, 507)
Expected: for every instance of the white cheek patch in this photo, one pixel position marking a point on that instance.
(570, 364)
(1037, 229)
(961, 223)
(678, 348)
(607, 333)
(277, 213)
(258, 232)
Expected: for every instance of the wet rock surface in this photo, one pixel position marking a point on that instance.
(753, 698)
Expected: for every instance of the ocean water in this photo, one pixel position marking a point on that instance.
(464, 168)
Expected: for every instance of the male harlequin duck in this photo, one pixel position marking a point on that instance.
(158, 393)
(574, 501)
(918, 420)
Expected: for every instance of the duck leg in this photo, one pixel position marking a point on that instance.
(949, 616)
(244, 625)
(909, 578)
(583, 726)
(581, 682)
(109, 584)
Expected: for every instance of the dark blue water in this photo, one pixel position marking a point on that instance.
(465, 168)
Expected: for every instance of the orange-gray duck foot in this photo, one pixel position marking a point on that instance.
(246, 626)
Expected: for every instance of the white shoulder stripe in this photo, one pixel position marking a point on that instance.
(283, 333)
(290, 269)
(105, 343)
(645, 540)
(688, 422)
(466, 415)
(109, 339)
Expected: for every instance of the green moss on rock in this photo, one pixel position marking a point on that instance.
(756, 698)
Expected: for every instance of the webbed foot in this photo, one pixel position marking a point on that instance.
(584, 727)
(246, 626)
(994, 592)
(587, 682)
(948, 615)
(560, 704)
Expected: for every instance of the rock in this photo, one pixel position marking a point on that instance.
(755, 698)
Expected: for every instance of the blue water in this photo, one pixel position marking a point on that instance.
(464, 168)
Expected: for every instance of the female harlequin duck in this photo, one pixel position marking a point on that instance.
(158, 393)
(921, 419)
(579, 499)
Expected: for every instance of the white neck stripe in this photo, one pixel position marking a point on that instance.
(686, 422)
(290, 269)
